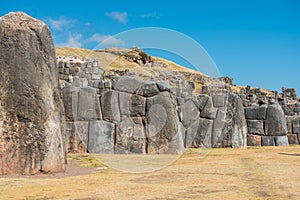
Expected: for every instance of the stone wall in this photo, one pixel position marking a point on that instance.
(156, 116)
(124, 114)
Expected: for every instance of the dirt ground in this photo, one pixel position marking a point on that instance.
(253, 173)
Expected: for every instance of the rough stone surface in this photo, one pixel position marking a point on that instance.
(190, 113)
(162, 123)
(203, 136)
(127, 84)
(296, 125)
(281, 140)
(219, 100)
(163, 86)
(253, 140)
(191, 133)
(201, 101)
(31, 112)
(218, 126)
(130, 136)
(275, 123)
(255, 127)
(148, 89)
(267, 141)
(230, 126)
(76, 136)
(208, 111)
(101, 137)
(132, 104)
(88, 105)
(256, 112)
(293, 139)
(289, 124)
(110, 106)
(70, 99)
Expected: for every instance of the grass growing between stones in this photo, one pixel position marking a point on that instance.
(253, 173)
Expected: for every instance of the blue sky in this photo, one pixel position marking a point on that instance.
(255, 42)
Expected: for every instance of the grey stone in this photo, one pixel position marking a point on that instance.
(70, 100)
(219, 100)
(255, 127)
(208, 111)
(76, 136)
(275, 124)
(138, 105)
(33, 132)
(88, 105)
(256, 112)
(101, 137)
(289, 124)
(267, 141)
(281, 140)
(293, 139)
(296, 125)
(218, 126)
(162, 123)
(76, 81)
(163, 85)
(130, 136)
(148, 89)
(230, 126)
(190, 113)
(204, 133)
(201, 101)
(110, 106)
(180, 101)
(127, 84)
(131, 104)
(108, 84)
(191, 133)
(253, 140)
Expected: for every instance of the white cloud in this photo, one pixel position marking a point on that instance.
(62, 23)
(119, 16)
(75, 40)
(106, 40)
(151, 15)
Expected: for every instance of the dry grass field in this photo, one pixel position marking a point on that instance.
(253, 173)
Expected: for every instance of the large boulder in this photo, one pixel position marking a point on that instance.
(203, 137)
(76, 136)
(256, 112)
(190, 113)
(162, 125)
(275, 122)
(110, 106)
(130, 136)
(101, 137)
(230, 126)
(31, 112)
(255, 127)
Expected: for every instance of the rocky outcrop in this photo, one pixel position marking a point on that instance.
(31, 111)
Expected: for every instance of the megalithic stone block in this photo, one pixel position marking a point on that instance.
(281, 140)
(267, 141)
(253, 140)
(32, 136)
(110, 106)
(130, 136)
(70, 99)
(88, 105)
(275, 123)
(101, 137)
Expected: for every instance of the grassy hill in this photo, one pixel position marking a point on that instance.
(117, 60)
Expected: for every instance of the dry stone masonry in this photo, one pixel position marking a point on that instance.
(50, 107)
